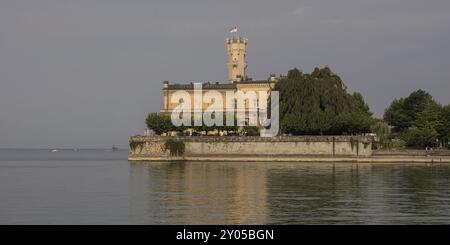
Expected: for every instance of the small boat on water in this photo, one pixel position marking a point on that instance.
(114, 148)
(55, 150)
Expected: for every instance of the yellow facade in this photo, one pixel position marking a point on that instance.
(238, 81)
(254, 86)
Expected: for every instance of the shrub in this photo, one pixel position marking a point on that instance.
(175, 147)
(421, 137)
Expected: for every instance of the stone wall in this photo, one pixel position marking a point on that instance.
(253, 148)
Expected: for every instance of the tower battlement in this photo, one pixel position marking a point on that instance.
(237, 40)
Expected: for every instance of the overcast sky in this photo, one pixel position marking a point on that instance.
(85, 73)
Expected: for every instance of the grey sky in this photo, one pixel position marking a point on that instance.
(85, 73)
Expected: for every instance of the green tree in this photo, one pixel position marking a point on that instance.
(395, 116)
(418, 120)
(159, 123)
(421, 137)
(382, 130)
(319, 122)
(444, 129)
(429, 117)
(294, 74)
(293, 124)
(360, 105)
(402, 113)
(353, 123)
(318, 103)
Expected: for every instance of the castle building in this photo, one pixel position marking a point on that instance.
(237, 79)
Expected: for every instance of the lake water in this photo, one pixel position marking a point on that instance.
(102, 187)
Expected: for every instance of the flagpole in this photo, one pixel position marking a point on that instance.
(234, 31)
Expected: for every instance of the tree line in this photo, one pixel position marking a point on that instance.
(419, 121)
(318, 103)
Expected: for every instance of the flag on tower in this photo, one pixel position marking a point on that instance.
(233, 30)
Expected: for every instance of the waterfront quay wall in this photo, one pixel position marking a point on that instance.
(249, 148)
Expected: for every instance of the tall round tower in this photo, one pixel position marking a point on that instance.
(237, 58)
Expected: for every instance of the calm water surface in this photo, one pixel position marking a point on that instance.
(102, 187)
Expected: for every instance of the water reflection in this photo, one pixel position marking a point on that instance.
(288, 193)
